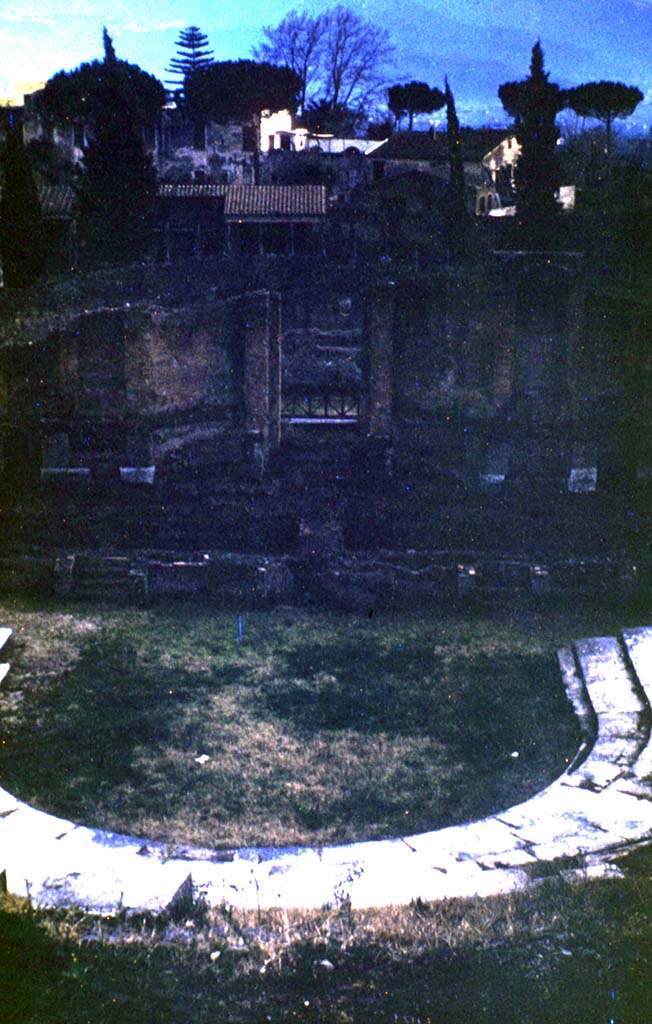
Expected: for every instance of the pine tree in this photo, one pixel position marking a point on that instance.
(118, 190)
(22, 240)
(192, 54)
(534, 104)
(456, 168)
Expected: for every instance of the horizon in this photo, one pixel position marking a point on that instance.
(477, 46)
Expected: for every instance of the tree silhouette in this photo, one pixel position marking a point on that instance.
(192, 54)
(79, 94)
(413, 98)
(118, 189)
(534, 104)
(22, 242)
(604, 101)
(295, 43)
(241, 90)
(322, 116)
(338, 56)
(456, 165)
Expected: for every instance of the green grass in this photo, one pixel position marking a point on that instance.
(577, 953)
(319, 728)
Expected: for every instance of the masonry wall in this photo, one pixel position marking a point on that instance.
(481, 392)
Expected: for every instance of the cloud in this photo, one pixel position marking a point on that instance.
(161, 26)
(23, 14)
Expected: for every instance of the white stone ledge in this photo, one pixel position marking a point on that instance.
(65, 473)
(601, 804)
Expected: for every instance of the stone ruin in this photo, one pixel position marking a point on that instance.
(478, 416)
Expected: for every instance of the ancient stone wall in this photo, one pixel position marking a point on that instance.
(492, 414)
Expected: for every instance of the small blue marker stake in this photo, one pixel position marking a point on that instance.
(239, 627)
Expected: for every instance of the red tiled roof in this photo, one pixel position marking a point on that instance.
(409, 146)
(433, 147)
(58, 201)
(275, 201)
(195, 191)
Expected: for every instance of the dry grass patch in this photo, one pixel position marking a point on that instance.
(309, 728)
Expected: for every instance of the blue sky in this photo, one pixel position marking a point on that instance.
(478, 43)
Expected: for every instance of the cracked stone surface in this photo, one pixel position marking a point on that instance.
(599, 807)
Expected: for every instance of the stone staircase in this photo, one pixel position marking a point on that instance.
(583, 824)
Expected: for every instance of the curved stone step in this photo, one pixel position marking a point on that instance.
(638, 644)
(620, 708)
(592, 813)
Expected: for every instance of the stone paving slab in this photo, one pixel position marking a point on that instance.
(622, 751)
(638, 643)
(69, 868)
(109, 886)
(28, 826)
(577, 692)
(606, 675)
(594, 774)
(632, 786)
(642, 768)
(626, 724)
(8, 803)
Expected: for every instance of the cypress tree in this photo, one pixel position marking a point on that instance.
(456, 170)
(22, 236)
(118, 190)
(534, 104)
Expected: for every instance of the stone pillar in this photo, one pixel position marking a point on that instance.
(378, 383)
(256, 329)
(275, 370)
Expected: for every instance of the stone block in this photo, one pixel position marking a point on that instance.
(618, 750)
(63, 475)
(593, 774)
(63, 574)
(583, 480)
(606, 675)
(540, 580)
(138, 585)
(137, 474)
(467, 580)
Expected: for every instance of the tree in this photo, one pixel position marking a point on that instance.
(413, 98)
(604, 101)
(354, 53)
(338, 56)
(22, 242)
(241, 90)
(456, 165)
(79, 94)
(192, 54)
(380, 130)
(118, 189)
(295, 43)
(322, 116)
(534, 104)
